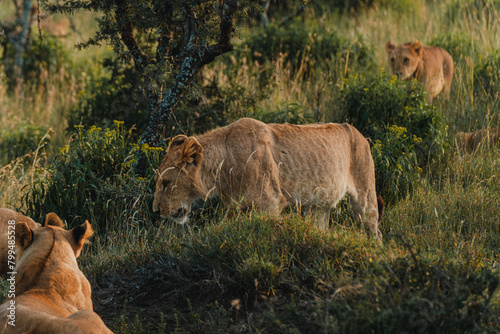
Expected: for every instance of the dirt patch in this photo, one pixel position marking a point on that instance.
(162, 286)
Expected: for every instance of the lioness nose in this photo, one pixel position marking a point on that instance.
(156, 207)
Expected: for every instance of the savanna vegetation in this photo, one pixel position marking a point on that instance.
(70, 129)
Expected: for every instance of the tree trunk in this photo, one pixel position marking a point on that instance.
(195, 57)
(21, 41)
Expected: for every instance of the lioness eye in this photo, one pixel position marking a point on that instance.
(392, 60)
(165, 183)
(406, 61)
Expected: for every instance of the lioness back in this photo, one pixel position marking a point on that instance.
(318, 162)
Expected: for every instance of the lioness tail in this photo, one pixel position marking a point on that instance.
(380, 203)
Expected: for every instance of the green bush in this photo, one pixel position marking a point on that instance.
(374, 103)
(20, 141)
(395, 164)
(487, 75)
(305, 48)
(112, 92)
(92, 178)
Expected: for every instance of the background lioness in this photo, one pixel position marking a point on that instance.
(267, 166)
(51, 293)
(471, 141)
(432, 66)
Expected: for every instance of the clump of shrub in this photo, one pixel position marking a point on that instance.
(305, 48)
(487, 75)
(112, 92)
(396, 165)
(93, 178)
(374, 104)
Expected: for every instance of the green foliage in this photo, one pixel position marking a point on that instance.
(20, 141)
(112, 92)
(39, 63)
(305, 48)
(372, 104)
(487, 75)
(396, 168)
(92, 178)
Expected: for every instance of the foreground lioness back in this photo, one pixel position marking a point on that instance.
(432, 66)
(268, 166)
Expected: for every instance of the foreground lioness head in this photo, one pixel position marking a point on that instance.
(432, 66)
(250, 164)
(471, 141)
(51, 294)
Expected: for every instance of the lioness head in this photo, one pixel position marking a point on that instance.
(404, 59)
(177, 180)
(76, 237)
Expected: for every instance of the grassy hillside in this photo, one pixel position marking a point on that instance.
(438, 270)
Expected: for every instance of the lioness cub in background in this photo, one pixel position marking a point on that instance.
(8, 230)
(251, 164)
(470, 142)
(432, 66)
(51, 293)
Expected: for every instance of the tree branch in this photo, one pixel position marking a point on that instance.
(195, 57)
(141, 60)
(127, 33)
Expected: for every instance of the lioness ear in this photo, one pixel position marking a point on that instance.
(389, 47)
(24, 235)
(53, 220)
(178, 140)
(192, 152)
(417, 47)
(81, 234)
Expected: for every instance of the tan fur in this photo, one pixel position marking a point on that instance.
(432, 66)
(7, 215)
(51, 293)
(249, 164)
(470, 142)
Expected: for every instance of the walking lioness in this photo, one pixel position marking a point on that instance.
(432, 66)
(251, 164)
